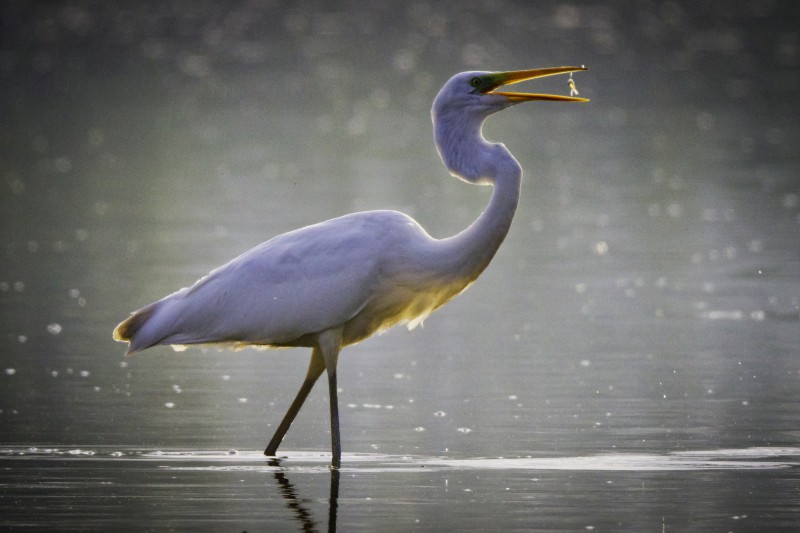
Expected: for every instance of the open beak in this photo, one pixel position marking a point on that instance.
(499, 79)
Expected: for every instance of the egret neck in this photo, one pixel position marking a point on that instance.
(469, 156)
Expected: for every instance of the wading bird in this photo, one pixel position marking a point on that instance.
(336, 283)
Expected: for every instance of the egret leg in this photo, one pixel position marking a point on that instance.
(336, 445)
(330, 343)
(315, 368)
(324, 356)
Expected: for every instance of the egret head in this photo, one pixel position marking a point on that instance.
(476, 92)
(464, 102)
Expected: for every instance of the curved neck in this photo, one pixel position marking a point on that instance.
(469, 252)
(467, 155)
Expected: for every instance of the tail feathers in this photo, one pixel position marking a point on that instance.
(129, 330)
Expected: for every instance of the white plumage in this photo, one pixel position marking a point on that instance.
(335, 283)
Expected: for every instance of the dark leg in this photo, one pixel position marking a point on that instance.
(330, 342)
(315, 368)
(336, 446)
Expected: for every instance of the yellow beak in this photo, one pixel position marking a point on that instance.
(499, 79)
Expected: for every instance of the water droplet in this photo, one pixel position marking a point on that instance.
(17, 186)
(601, 248)
(440, 414)
(10, 371)
(464, 430)
(242, 400)
(96, 137)
(54, 328)
(62, 164)
(78, 451)
(705, 121)
(169, 405)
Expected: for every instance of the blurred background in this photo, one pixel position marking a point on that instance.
(646, 297)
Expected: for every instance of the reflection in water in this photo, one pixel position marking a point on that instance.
(163, 488)
(333, 499)
(302, 515)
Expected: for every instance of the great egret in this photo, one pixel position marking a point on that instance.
(336, 283)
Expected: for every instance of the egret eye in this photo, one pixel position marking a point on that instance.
(475, 82)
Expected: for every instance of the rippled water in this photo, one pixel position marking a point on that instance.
(629, 361)
(157, 489)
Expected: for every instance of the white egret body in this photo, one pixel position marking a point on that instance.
(336, 283)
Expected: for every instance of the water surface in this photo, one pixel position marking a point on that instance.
(181, 489)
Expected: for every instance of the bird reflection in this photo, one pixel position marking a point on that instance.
(301, 513)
